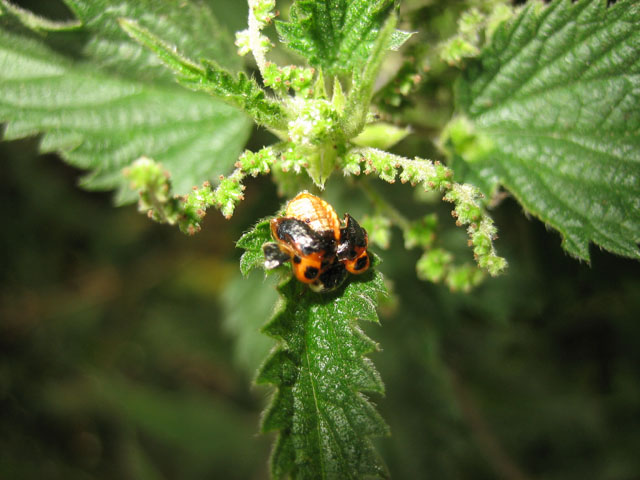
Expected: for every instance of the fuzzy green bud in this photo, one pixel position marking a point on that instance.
(315, 123)
(481, 239)
(193, 207)
(243, 42)
(291, 160)
(470, 23)
(466, 43)
(283, 78)
(154, 185)
(433, 265)
(464, 278)
(416, 171)
(421, 233)
(227, 195)
(302, 80)
(433, 175)
(274, 77)
(154, 188)
(493, 264)
(263, 10)
(146, 174)
(383, 164)
(467, 200)
(257, 163)
(351, 164)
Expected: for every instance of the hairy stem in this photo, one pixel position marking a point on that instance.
(255, 39)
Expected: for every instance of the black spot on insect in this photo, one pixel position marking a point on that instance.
(330, 279)
(352, 254)
(311, 273)
(296, 259)
(362, 263)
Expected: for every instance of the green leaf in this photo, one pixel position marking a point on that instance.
(190, 26)
(398, 38)
(337, 35)
(556, 93)
(103, 123)
(240, 91)
(357, 107)
(108, 47)
(251, 242)
(381, 135)
(324, 421)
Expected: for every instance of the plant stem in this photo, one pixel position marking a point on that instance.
(255, 40)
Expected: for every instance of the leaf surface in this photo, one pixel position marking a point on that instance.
(337, 35)
(237, 90)
(190, 26)
(102, 122)
(556, 94)
(251, 242)
(324, 421)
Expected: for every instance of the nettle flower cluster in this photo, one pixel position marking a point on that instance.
(322, 128)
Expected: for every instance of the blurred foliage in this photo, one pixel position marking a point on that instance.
(119, 356)
(127, 349)
(114, 362)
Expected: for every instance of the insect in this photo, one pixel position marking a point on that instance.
(321, 249)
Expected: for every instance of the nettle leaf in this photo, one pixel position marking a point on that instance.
(357, 106)
(251, 242)
(191, 27)
(555, 95)
(324, 421)
(237, 90)
(102, 122)
(337, 35)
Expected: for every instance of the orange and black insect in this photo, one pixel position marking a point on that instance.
(352, 250)
(320, 249)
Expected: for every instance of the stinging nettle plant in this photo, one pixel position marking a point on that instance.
(546, 109)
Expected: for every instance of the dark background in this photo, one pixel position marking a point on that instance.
(127, 349)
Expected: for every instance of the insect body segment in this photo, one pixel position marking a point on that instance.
(353, 246)
(315, 212)
(320, 249)
(306, 248)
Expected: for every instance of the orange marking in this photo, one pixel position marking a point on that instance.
(350, 265)
(314, 261)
